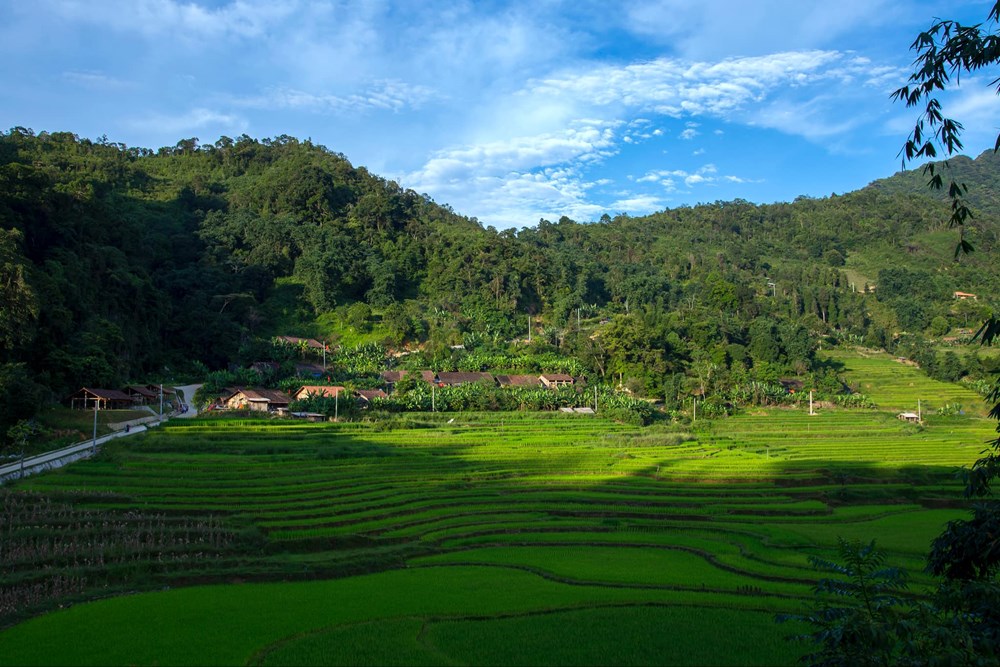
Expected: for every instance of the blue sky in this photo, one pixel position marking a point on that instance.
(507, 111)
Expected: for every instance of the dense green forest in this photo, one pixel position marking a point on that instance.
(120, 263)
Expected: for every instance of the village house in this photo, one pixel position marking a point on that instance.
(962, 296)
(365, 396)
(88, 398)
(391, 378)
(257, 400)
(294, 341)
(317, 390)
(911, 417)
(518, 381)
(452, 379)
(556, 380)
(142, 395)
(168, 392)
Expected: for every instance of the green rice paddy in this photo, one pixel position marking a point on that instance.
(490, 539)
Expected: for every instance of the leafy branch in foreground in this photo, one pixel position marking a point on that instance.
(857, 617)
(945, 51)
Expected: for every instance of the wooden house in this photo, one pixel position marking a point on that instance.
(365, 396)
(518, 381)
(317, 390)
(452, 379)
(911, 417)
(257, 400)
(391, 378)
(294, 341)
(88, 398)
(168, 392)
(142, 395)
(556, 380)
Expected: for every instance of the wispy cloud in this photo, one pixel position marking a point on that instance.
(386, 95)
(180, 20)
(96, 80)
(191, 121)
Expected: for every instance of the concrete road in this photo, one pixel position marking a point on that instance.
(188, 391)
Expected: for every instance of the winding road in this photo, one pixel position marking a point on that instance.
(60, 457)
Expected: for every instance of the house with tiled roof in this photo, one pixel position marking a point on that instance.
(257, 400)
(451, 379)
(88, 398)
(365, 396)
(518, 380)
(317, 390)
(554, 380)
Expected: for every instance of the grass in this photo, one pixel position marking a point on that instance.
(897, 387)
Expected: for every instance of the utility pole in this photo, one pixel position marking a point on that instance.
(324, 356)
(918, 410)
(811, 403)
(93, 447)
(336, 405)
(433, 409)
(578, 319)
(595, 400)
(694, 417)
(161, 401)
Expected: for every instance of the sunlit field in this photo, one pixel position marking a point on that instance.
(467, 538)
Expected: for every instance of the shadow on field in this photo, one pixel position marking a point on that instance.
(187, 505)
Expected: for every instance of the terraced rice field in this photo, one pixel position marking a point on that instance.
(896, 386)
(494, 539)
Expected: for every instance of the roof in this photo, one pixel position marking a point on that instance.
(557, 377)
(106, 394)
(142, 391)
(309, 369)
(167, 391)
(518, 380)
(369, 394)
(318, 390)
(393, 376)
(264, 395)
(450, 378)
(428, 376)
(908, 415)
(295, 340)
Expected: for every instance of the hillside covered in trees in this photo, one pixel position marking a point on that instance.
(121, 263)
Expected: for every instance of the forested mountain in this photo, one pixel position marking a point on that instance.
(122, 263)
(982, 176)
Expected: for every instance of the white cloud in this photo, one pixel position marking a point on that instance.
(194, 120)
(180, 20)
(95, 80)
(717, 28)
(688, 134)
(665, 177)
(638, 204)
(388, 95)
